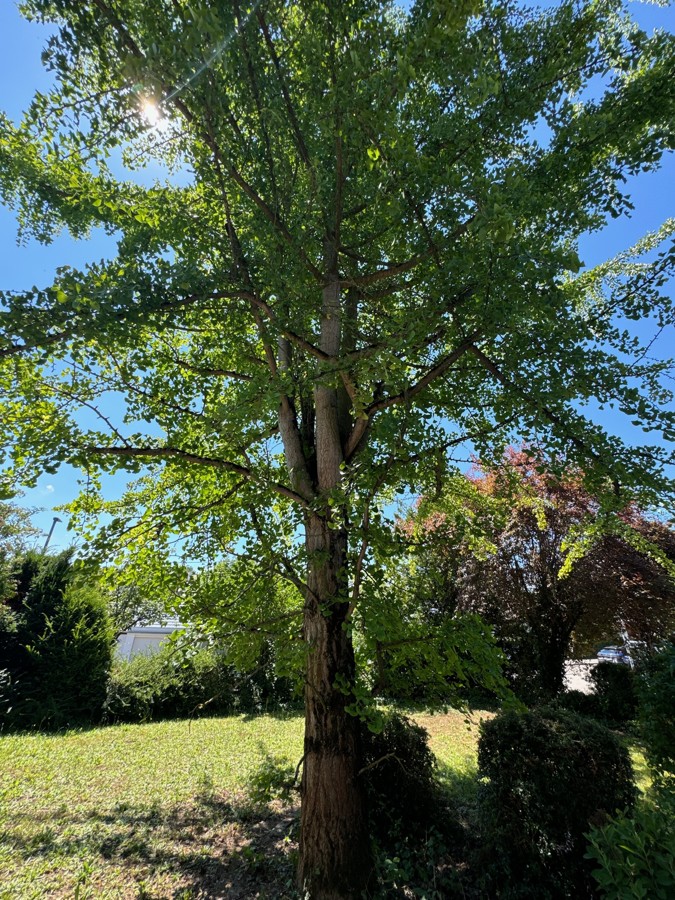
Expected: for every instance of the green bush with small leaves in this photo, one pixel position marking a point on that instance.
(177, 682)
(656, 698)
(408, 811)
(614, 688)
(548, 775)
(399, 775)
(635, 853)
(275, 778)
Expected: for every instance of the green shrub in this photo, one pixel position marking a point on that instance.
(177, 682)
(636, 853)
(169, 685)
(408, 812)
(614, 687)
(550, 775)
(400, 777)
(656, 698)
(58, 649)
(273, 779)
(580, 703)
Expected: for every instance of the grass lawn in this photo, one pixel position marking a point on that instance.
(160, 810)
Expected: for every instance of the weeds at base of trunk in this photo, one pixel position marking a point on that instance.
(417, 868)
(275, 778)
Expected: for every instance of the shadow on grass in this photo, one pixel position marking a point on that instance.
(278, 713)
(217, 846)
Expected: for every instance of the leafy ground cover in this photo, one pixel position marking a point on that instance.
(162, 810)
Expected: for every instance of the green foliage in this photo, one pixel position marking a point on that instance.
(273, 779)
(549, 774)
(656, 697)
(248, 607)
(614, 699)
(484, 331)
(16, 535)
(635, 852)
(417, 866)
(58, 646)
(407, 808)
(614, 687)
(412, 655)
(173, 683)
(399, 774)
(129, 608)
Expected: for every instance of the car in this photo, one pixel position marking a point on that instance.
(615, 655)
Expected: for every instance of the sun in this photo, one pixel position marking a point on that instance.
(151, 112)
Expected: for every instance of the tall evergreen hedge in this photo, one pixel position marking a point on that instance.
(57, 646)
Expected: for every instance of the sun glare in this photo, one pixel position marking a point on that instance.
(151, 112)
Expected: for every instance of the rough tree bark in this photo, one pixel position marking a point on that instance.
(335, 859)
(334, 847)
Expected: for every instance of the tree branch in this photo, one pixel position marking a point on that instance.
(389, 272)
(295, 125)
(209, 139)
(363, 422)
(213, 462)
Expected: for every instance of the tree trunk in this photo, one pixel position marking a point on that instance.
(552, 648)
(335, 858)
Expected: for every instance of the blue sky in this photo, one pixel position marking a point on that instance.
(21, 73)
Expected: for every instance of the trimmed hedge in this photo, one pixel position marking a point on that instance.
(549, 775)
(614, 687)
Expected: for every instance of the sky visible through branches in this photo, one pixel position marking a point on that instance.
(21, 73)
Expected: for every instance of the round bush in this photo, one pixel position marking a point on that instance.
(399, 776)
(550, 774)
(408, 810)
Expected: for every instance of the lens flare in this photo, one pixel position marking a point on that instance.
(151, 112)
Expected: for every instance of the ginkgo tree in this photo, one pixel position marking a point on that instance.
(372, 259)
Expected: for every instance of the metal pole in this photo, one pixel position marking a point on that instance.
(51, 531)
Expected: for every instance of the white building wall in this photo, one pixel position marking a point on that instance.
(145, 640)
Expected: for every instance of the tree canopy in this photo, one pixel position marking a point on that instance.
(373, 260)
(543, 563)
